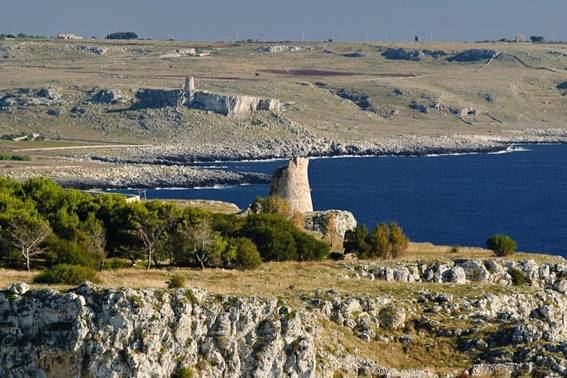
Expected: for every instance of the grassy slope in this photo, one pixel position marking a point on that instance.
(523, 97)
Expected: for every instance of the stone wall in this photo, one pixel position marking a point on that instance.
(292, 184)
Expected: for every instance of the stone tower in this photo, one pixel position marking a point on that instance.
(190, 88)
(187, 93)
(292, 184)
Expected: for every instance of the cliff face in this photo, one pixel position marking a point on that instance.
(481, 324)
(292, 184)
(150, 333)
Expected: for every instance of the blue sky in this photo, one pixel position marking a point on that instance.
(273, 20)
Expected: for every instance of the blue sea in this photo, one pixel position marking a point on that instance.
(450, 200)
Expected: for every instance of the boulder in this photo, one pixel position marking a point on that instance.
(561, 286)
(319, 221)
(475, 271)
(19, 288)
(457, 275)
(109, 96)
(92, 49)
(392, 317)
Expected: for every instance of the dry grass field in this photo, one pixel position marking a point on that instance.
(277, 279)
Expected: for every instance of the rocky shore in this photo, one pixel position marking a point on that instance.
(139, 176)
(497, 328)
(169, 165)
(403, 145)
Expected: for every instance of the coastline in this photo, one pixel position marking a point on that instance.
(171, 166)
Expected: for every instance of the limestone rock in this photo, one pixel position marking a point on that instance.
(109, 96)
(92, 49)
(19, 288)
(392, 317)
(232, 105)
(319, 220)
(292, 184)
(280, 48)
(151, 333)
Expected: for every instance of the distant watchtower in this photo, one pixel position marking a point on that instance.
(189, 88)
(187, 93)
(292, 184)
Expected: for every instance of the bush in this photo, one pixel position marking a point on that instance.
(177, 281)
(61, 251)
(247, 255)
(518, 277)
(116, 263)
(386, 241)
(184, 372)
(355, 241)
(273, 236)
(14, 157)
(501, 245)
(272, 205)
(309, 248)
(336, 256)
(67, 274)
(454, 249)
(122, 35)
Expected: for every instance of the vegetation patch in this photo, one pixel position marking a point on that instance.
(67, 275)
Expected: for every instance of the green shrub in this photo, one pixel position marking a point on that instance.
(62, 251)
(122, 35)
(386, 241)
(247, 255)
(116, 263)
(14, 157)
(273, 236)
(309, 248)
(518, 278)
(184, 372)
(67, 274)
(454, 249)
(177, 281)
(356, 241)
(501, 245)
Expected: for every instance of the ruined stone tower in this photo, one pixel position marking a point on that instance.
(187, 93)
(292, 184)
(190, 88)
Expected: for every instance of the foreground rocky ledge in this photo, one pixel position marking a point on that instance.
(482, 328)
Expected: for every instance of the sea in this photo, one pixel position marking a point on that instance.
(456, 200)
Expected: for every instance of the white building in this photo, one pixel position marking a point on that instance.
(69, 36)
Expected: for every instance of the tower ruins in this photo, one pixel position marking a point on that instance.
(291, 183)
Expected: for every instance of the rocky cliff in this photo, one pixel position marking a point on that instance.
(440, 329)
(150, 333)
